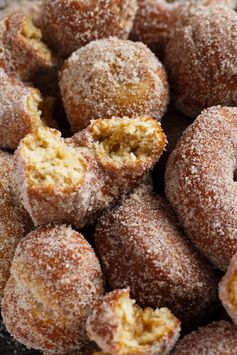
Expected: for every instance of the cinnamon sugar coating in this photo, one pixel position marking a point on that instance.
(73, 180)
(201, 59)
(19, 110)
(219, 338)
(142, 247)
(15, 222)
(113, 77)
(119, 326)
(201, 185)
(55, 281)
(23, 52)
(157, 20)
(31, 8)
(71, 24)
(228, 289)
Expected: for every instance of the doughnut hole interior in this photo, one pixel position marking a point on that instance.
(50, 163)
(235, 175)
(33, 103)
(41, 110)
(33, 36)
(232, 290)
(140, 329)
(124, 141)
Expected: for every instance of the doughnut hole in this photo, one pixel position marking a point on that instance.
(140, 329)
(33, 37)
(124, 142)
(235, 175)
(50, 163)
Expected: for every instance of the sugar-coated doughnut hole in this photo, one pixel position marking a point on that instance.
(126, 141)
(55, 281)
(214, 338)
(157, 20)
(119, 326)
(113, 77)
(201, 59)
(21, 40)
(50, 162)
(31, 8)
(89, 20)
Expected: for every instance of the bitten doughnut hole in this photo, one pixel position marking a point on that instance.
(50, 162)
(125, 141)
(33, 37)
(119, 326)
(139, 329)
(34, 102)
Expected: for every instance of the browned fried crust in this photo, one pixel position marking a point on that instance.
(200, 183)
(142, 247)
(55, 280)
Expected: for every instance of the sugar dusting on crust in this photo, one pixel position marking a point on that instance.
(55, 280)
(156, 20)
(141, 247)
(200, 183)
(215, 338)
(113, 77)
(69, 25)
(21, 40)
(19, 110)
(15, 222)
(201, 59)
(27, 7)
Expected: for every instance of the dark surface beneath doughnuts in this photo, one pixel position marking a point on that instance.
(9, 346)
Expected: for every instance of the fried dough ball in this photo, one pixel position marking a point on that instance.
(228, 289)
(30, 8)
(15, 222)
(201, 59)
(142, 247)
(55, 281)
(22, 111)
(201, 183)
(113, 77)
(120, 327)
(72, 181)
(157, 20)
(22, 51)
(71, 24)
(218, 338)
